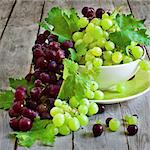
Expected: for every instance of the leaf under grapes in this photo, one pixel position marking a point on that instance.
(64, 22)
(39, 132)
(6, 99)
(73, 54)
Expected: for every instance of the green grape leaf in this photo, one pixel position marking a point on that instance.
(39, 132)
(64, 22)
(6, 99)
(72, 53)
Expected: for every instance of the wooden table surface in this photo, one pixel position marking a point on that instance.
(18, 31)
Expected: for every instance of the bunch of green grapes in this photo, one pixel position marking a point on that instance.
(69, 117)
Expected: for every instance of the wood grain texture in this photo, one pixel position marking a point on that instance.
(18, 39)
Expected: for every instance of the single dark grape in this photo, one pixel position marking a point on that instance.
(50, 54)
(52, 37)
(54, 90)
(132, 129)
(46, 33)
(12, 113)
(101, 108)
(53, 78)
(99, 12)
(38, 83)
(54, 45)
(42, 108)
(38, 53)
(67, 44)
(31, 104)
(36, 46)
(107, 121)
(85, 11)
(14, 124)
(40, 39)
(91, 13)
(35, 93)
(97, 130)
(20, 95)
(21, 88)
(41, 63)
(60, 55)
(29, 77)
(44, 77)
(17, 107)
(52, 65)
(45, 115)
(37, 73)
(25, 124)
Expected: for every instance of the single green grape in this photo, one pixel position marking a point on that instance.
(84, 101)
(120, 87)
(90, 28)
(117, 57)
(96, 21)
(137, 52)
(127, 59)
(83, 109)
(107, 63)
(97, 62)
(51, 129)
(106, 23)
(89, 57)
(73, 102)
(83, 22)
(83, 119)
(56, 110)
(98, 32)
(64, 130)
(74, 124)
(58, 103)
(96, 51)
(93, 44)
(58, 120)
(145, 65)
(87, 38)
(106, 35)
(93, 85)
(89, 65)
(132, 120)
(89, 94)
(93, 109)
(109, 46)
(105, 15)
(77, 35)
(98, 95)
(107, 55)
(67, 117)
(101, 42)
(114, 124)
(78, 42)
(126, 117)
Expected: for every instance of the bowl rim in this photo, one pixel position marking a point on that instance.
(120, 65)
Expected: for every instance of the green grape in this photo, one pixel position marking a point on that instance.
(114, 124)
(78, 42)
(112, 29)
(77, 35)
(96, 51)
(107, 55)
(93, 85)
(126, 117)
(83, 109)
(106, 23)
(51, 129)
(84, 101)
(67, 117)
(56, 110)
(93, 44)
(74, 124)
(101, 42)
(64, 130)
(109, 46)
(145, 65)
(133, 43)
(58, 103)
(105, 15)
(73, 102)
(66, 107)
(117, 57)
(83, 119)
(98, 32)
(93, 109)
(127, 59)
(98, 95)
(107, 63)
(89, 57)
(96, 21)
(83, 22)
(120, 87)
(132, 120)
(58, 120)
(89, 65)
(87, 38)
(97, 62)
(137, 52)
(90, 28)
(89, 94)
(106, 35)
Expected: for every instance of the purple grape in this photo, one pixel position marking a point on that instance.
(42, 108)
(132, 129)
(20, 95)
(54, 45)
(107, 121)
(97, 130)
(31, 104)
(41, 63)
(53, 78)
(46, 33)
(50, 55)
(99, 12)
(66, 45)
(59, 82)
(35, 93)
(60, 55)
(36, 46)
(21, 88)
(29, 77)
(52, 38)
(44, 77)
(52, 65)
(40, 39)
(85, 11)
(17, 107)
(38, 83)
(14, 124)
(12, 113)
(45, 115)
(91, 13)
(101, 108)
(38, 53)
(54, 90)
(25, 124)
(37, 73)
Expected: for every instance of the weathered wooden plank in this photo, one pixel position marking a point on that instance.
(5, 142)
(6, 8)
(17, 41)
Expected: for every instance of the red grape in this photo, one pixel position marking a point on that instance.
(54, 45)
(28, 77)
(45, 115)
(35, 93)
(60, 55)
(42, 108)
(54, 90)
(31, 104)
(38, 53)
(97, 130)
(14, 124)
(50, 55)
(132, 129)
(85, 11)
(25, 124)
(37, 83)
(12, 113)
(20, 95)
(40, 39)
(52, 37)
(66, 45)
(36, 46)
(52, 65)
(99, 12)
(46, 33)
(101, 108)
(17, 107)
(41, 63)
(45, 78)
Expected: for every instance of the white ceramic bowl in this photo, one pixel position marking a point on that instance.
(111, 75)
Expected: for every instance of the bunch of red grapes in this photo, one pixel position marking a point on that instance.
(48, 55)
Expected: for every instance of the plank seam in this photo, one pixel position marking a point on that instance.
(72, 140)
(15, 146)
(13, 6)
